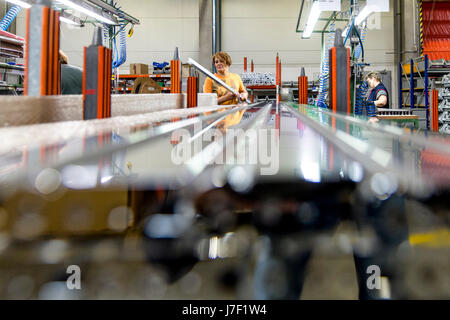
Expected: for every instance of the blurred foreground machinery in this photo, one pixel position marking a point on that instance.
(259, 201)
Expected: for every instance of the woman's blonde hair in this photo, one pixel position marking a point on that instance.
(374, 75)
(222, 56)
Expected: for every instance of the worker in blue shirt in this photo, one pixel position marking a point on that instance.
(379, 96)
(71, 76)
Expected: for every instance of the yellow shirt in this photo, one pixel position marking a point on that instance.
(232, 79)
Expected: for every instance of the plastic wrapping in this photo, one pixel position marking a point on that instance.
(436, 30)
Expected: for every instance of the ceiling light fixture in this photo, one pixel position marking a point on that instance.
(90, 11)
(21, 3)
(364, 14)
(314, 15)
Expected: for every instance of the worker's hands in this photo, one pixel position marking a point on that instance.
(243, 96)
(374, 120)
(230, 96)
(226, 97)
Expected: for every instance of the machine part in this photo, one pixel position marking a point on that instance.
(42, 69)
(175, 73)
(97, 79)
(339, 76)
(303, 88)
(131, 32)
(146, 85)
(9, 17)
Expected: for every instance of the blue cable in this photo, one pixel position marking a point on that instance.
(349, 31)
(9, 17)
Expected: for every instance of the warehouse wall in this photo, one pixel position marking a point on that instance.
(259, 29)
(411, 30)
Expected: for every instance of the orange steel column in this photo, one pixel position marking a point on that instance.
(279, 80)
(245, 64)
(42, 50)
(192, 90)
(303, 88)
(434, 110)
(339, 91)
(276, 69)
(252, 67)
(97, 79)
(175, 73)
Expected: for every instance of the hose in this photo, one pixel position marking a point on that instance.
(9, 17)
(106, 35)
(119, 52)
(360, 99)
(325, 69)
(360, 48)
(349, 31)
(361, 103)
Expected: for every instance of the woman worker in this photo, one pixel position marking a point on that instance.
(379, 95)
(222, 61)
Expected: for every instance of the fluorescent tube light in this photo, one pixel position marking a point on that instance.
(21, 3)
(70, 19)
(367, 11)
(314, 15)
(96, 14)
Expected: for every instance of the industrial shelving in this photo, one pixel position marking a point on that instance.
(415, 79)
(11, 73)
(444, 105)
(126, 81)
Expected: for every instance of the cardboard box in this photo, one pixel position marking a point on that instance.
(138, 68)
(185, 70)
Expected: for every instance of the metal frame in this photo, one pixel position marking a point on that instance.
(414, 64)
(119, 13)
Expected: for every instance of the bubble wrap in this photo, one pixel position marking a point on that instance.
(18, 138)
(19, 111)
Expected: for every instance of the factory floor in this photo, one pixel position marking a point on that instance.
(112, 270)
(330, 272)
(330, 277)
